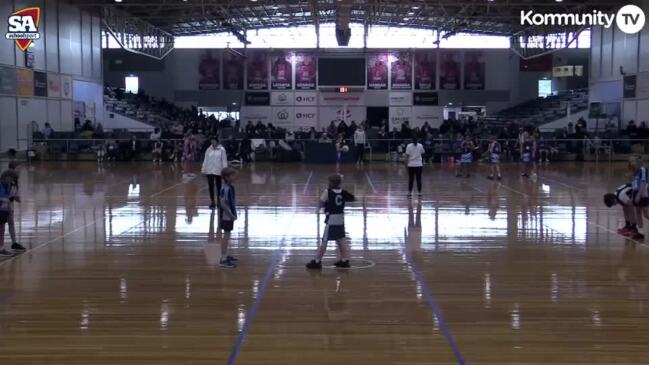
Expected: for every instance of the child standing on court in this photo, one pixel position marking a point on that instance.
(6, 199)
(228, 216)
(12, 175)
(333, 201)
(494, 158)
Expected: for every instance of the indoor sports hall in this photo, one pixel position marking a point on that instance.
(315, 182)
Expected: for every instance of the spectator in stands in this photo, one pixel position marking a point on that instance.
(87, 130)
(250, 128)
(156, 135)
(260, 129)
(342, 128)
(571, 129)
(48, 131)
(99, 130)
(406, 132)
(35, 126)
(313, 135)
(581, 128)
(331, 130)
(351, 129)
(643, 131)
(77, 124)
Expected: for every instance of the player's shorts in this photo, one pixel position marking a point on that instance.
(526, 157)
(495, 158)
(227, 226)
(466, 158)
(4, 216)
(643, 202)
(333, 233)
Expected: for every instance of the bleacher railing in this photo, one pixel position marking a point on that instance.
(377, 149)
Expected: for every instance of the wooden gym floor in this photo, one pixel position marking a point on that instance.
(122, 269)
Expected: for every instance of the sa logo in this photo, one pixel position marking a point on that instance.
(23, 27)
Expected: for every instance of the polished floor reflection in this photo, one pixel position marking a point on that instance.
(122, 268)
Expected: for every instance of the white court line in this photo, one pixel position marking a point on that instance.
(82, 227)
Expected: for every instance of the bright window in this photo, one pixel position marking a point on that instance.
(132, 84)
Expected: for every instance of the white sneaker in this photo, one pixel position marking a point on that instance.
(6, 253)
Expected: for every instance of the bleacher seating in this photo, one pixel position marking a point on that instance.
(542, 110)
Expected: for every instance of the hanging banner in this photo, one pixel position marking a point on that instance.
(306, 117)
(305, 71)
(377, 71)
(257, 70)
(24, 82)
(401, 70)
(53, 85)
(425, 69)
(209, 71)
(281, 71)
(449, 70)
(66, 87)
(40, 83)
(474, 70)
(7, 80)
(232, 71)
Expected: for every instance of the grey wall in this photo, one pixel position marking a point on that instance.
(611, 49)
(70, 44)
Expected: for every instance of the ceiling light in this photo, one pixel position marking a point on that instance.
(411, 13)
(559, 1)
(275, 7)
(415, 7)
(118, 1)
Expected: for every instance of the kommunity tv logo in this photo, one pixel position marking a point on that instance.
(630, 19)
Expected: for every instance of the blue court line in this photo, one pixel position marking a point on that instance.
(277, 258)
(253, 311)
(308, 181)
(369, 180)
(419, 278)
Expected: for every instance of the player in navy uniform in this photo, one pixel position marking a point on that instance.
(333, 201)
(228, 215)
(527, 154)
(623, 196)
(495, 149)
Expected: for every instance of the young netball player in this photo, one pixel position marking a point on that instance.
(228, 205)
(639, 192)
(623, 196)
(466, 158)
(7, 197)
(495, 150)
(528, 148)
(12, 175)
(333, 201)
